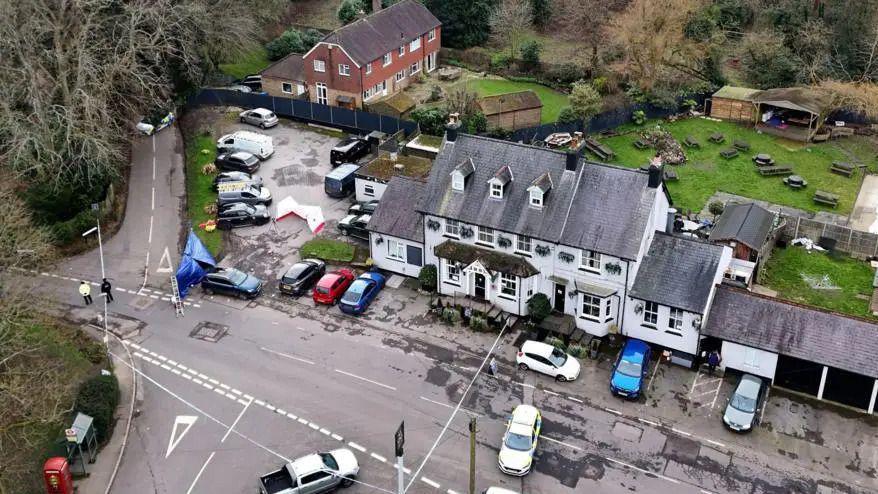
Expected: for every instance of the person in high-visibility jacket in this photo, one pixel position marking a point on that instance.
(85, 291)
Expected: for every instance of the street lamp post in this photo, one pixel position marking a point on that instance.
(95, 207)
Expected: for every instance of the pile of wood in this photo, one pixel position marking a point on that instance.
(670, 151)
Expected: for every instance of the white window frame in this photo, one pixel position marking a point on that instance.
(487, 233)
(375, 90)
(415, 44)
(457, 181)
(650, 313)
(609, 309)
(369, 68)
(319, 66)
(523, 244)
(508, 283)
(431, 35)
(369, 190)
(452, 274)
(388, 59)
(284, 85)
(395, 250)
(452, 227)
(675, 319)
(402, 50)
(590, 260)
(496, 191)
(344, 69)
(536, 198)
(590, 308)
(415, 68)
(400, 75)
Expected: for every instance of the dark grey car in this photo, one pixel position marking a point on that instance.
(245, 194)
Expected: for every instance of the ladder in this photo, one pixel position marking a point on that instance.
(175, 297)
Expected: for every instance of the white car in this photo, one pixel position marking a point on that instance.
(261, 117)
(520, 440)
(547, 359)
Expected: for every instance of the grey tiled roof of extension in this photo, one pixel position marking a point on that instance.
(382, 32)
(598, 207)
(290, 68)
(677, 272)
(396, 215)
(790, 329)
(748, 223)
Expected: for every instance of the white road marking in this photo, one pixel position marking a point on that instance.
(429, 482)
(654, 372)
(202, 376)
(292, 416)
(552, 393)
(450, 406)
(149, 240)
(281, 411)
(208, 386)
(364, 379)
(236, 421)
(337, 437)
(378, 457)
(195, 481)
(764, 404)
(356, 446)
(242, 402)
(650, 422)
(562, 443)
(314, 426)
(174, 440)
(449, 491)
(286, 355)
(302, 421)
(404, 469)
(176, 371)
(647, 472)
(197, 381)
(224, 386)
(324, 431)
(617, 412)
(152, 202)
(527, 385)
(577, 400)
(270, 406)
(683, 433)
(213, 381)
(716, 443)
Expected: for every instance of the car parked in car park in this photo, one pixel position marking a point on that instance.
(313, 474)
(301, 276)
(630, 369)
(238, 214)
(349, 150)
(359, 295)
(253, 81)
(367, 207)
(742, 412)
(355, 225)
(260, 117)
(237, 161)
(230, 281)
(237, 192)
(547, 359)
(236, 177)
(520, 440)
(332, 286)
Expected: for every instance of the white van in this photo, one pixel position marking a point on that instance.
(259, 145)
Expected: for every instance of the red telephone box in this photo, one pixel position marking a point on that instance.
(56, 473)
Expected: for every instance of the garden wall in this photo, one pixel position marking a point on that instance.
(857, 244)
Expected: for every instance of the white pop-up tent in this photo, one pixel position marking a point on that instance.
(313, 215)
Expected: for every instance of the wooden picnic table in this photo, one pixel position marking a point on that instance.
(823, 197)
(599, 149)
(639, 144)
(717, 137)
(795, 182)
(691, 142)
(768, 171)
(729, 153)
(741, 145)
(763, 159)
(842, 168)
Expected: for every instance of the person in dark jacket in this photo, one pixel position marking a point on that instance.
(106, 289)
(713, 360)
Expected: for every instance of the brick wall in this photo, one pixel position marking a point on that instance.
(274, 87)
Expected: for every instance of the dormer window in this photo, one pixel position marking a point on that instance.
(538, 190)
(498, 182)
(536, 198)
(496, 191)
(458, 176)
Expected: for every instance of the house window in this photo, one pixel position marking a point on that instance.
(452, 227)
(675, 320)
(486, 235)
(415, 44)
(286, 87)
(387, 59)
(452, 274)
(400, 75)
(650, 313)
(496, 191)
(457, 181)
(415, 68)
(590, 261)
(344, 69)
(431, 35)
(523, 244)
(609, 309)
(376, 89)
(591, 307)
(369, 190)
(536, 198)
(395, 250)
(508, 285)
(402, 50)
(319, 66)
(369, 68)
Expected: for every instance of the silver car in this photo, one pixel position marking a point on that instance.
(261, 117)
(744, 404)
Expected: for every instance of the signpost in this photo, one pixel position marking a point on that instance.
(399, 443)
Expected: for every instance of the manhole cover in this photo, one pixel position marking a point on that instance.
(209, 331)
(627, 432)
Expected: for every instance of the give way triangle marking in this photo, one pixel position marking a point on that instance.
(166, 260)
(186, 420)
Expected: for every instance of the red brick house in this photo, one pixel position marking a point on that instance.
(369, 58)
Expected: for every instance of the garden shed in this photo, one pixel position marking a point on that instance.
(734, 103)
(512, 111)
(396, 105)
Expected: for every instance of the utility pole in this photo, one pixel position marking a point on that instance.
(399, 443)
(472, 455)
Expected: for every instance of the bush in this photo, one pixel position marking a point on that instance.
(566, 74)
(478, 323)
(557, 343)
(500, 61)
(98, 397)
(716, 208)
(638, 117)
(577, 351)
(428, 277)
(431, 120)
(349, 10)
(451, 315)
(530, 53)
(66, 232)
(585, 100)
(292, 41)
(539, 307)
(567, 115)
(475, 123)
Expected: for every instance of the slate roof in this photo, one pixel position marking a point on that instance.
(503, 175)
(491, 259)
(748, 223)
(543, 182)
(786, 328)
(597, 207)
(288, 68)
(395, 215)
(371, 37)
(522, 100)
(678, 272)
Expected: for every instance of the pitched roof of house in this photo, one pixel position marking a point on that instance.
(290, 68)
(748, 223)
(786, 328)
(678, 272)
(382, 32)
(502, 103)
(492, 260)
(396, 215)
(597, 207)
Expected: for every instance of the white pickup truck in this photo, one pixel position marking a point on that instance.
(312, 474)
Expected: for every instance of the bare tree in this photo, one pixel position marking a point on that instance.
(22, 243)
(510, 20)
(856, 96)
(586, 22)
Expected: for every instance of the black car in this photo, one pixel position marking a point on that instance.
(367, 207)
(230, 281)
(302, 276)
(253, 81)
(226, 177)
(349, 151)
(238, 161)
(355, 225)
(239, 214)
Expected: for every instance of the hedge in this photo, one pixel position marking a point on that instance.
(99, 397)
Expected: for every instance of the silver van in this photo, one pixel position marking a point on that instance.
(245, 194)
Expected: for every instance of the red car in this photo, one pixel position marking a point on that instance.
(332, 286)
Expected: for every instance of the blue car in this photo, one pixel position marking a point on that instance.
(630, 369)
(361, 292)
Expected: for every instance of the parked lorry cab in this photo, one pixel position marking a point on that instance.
(340, 182)
(257, 144)
(312, 474)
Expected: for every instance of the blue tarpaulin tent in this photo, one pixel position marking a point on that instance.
(196, 263)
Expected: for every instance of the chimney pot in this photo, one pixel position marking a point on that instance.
(655, 176)
(572, 160)
(452, 128)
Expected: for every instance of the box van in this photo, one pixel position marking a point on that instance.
(258, 144)
(349, 151)
(340, 182)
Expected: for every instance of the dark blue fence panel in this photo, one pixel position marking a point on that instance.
(302, 109)
(321, 113)
(389, 125)
(368, 121)
(343, 116)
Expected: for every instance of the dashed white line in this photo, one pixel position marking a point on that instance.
(213, 381)
(287, 356)
(617, 412)
(577, 400)
(650, 422)
(356, 446)
(449, 491)
(302, 421)
(337, 437)
(552, 393)
(324, 431)
(525, 385)
(429, 482)
(208, 386)
(314, 426)
(233, 390)
(235, 422)
(365, 379)
(378, 457)
(176, 371)
(647, 472)
(682, 433)
(270, 407)
(259, 402)
(292, 416)
(224, 386)
(202, 376)
(715, 443)
(562, 443)
(281, 411)
(404, 469)
(166, 367)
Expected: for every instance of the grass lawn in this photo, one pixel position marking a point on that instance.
(706, 172)
(552, 100)
(328, 250)
(251, 63)
(199, 191)
(785, 268)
